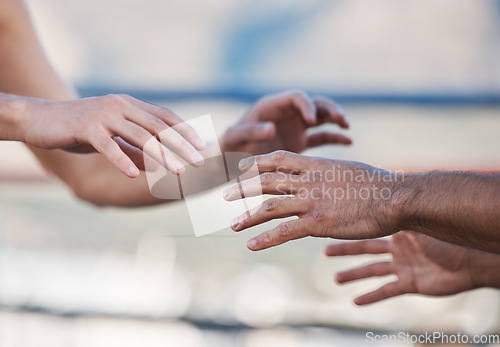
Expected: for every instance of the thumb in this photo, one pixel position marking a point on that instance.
(249, 132)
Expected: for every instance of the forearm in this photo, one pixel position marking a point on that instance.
(459, 208)
(11, 118)
(85, 176)
(25, 70)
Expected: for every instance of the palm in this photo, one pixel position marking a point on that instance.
(428, 266)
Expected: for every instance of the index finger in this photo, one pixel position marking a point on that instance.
(330, 112)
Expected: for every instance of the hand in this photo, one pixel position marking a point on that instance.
(118, 126)
(280, 122)
(331, 198)
(422, 264)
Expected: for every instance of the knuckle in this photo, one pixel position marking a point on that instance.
(278, 156)
(141, 134)
(270, 205)
(170, 117)
(105, 144)
(110, 98)
(115, 100)
(284, 230)
(317, 216)
(266, 178)
(124, 97)
(315, 176)
(107, 100)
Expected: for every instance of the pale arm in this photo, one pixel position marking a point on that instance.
(25, 70)
(460, 208)
(274, 122)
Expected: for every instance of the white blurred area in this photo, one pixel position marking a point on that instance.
(76, 275)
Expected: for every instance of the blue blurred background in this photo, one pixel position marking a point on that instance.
(336, 47)
(419, 80)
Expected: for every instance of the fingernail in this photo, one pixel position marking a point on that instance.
(245, 164)
(251, 243)
(132, 170)
(235, 223)
(197, 159)
(227, 192)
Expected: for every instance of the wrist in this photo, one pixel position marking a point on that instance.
(13, 118)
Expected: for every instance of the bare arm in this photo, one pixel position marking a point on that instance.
(278, 121)
(25, 70)
(460, 208)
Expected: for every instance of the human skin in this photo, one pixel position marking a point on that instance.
(69, 124)
(364, 202)
(421, 264)
(25, 71)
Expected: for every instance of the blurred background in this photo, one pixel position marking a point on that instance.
(420, 83)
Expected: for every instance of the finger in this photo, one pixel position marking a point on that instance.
(371, 270)
(286, 231)
(386, 291)
(277, 183)
(281, 207)
(277, 161)
(252, 132)
(139, 137)
(323, 138)
(105, 145)
(177, 144)
(134, 153)
(305, 105)
(330, 112)
(358, 247)
(172, 119)
(168, 136)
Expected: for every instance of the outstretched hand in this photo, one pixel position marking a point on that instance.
(280, 121)
(118, 126)
(422, 264)
(331, 198)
